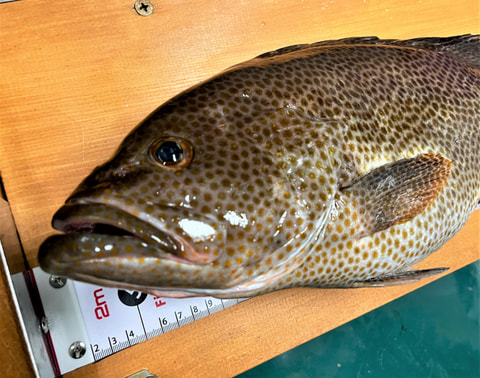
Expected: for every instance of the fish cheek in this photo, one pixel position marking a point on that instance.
(299, 189)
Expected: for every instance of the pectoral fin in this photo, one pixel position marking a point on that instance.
(395, 193)
(401, 278)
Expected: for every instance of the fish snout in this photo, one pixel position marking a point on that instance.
(109, 177)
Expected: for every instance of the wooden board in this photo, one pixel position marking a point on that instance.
(14, 358)
(76, 78)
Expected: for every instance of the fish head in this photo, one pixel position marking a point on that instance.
(197, 202)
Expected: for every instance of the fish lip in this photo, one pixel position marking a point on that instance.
(82, 217)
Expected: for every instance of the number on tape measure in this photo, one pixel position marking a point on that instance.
(116, 319)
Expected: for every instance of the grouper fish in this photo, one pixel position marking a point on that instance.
(335, 164)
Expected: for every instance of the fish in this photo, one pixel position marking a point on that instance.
(337, 164)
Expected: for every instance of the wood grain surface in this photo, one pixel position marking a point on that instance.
(14, 360)
(76, 77)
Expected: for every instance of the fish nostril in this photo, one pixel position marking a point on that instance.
(120, 172)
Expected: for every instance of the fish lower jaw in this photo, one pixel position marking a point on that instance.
(164, 292)
(129, 286)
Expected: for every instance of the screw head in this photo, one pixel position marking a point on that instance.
(143, 7)
(77, 349)
(57, 282)
(44, 326)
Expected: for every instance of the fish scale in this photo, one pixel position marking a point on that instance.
(337, 164)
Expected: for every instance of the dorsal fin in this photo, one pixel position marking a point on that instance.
(333, 42)
(465, 48)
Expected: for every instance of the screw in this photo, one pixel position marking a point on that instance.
(57, 282)
(77, 349)
(44, 326)
(143, 7)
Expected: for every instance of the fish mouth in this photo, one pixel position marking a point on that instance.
(95, 231)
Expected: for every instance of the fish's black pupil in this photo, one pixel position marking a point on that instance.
(170, 152)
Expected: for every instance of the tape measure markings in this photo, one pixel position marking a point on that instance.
(116, 319)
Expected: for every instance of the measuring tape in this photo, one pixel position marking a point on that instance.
(69, 324)
(116, 319)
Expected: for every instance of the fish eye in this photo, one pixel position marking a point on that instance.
(171, 152)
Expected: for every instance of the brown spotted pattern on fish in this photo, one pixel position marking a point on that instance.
(337, 164)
